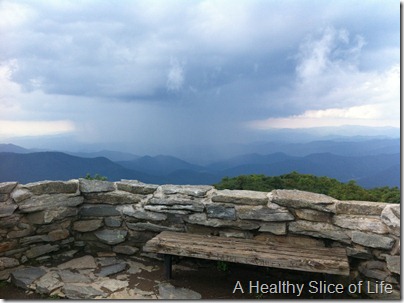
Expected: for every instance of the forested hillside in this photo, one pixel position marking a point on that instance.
(307, 182)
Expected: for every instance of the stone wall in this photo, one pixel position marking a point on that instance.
(55, 219)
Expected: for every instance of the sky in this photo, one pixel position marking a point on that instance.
(153, 77)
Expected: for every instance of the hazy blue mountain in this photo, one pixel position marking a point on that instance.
(11, 148)
(32, 167)
(109, 154)
(159, 165)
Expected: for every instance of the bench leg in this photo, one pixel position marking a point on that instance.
(167, 266)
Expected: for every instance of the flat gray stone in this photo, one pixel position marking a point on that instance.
(114, 197)
(112, 285)
(20, 194)
(79, 263)
(143, 214)
(393, 264)
(361, 223)
(363, 208)
(111, 236)
(53, 187)
(24, 277)
(7, 208)
(358, 252)
(201, 219)
(275, 228)
(40, 250)
(6, 262)
(112, 269)
(246, 197)
(7, 187)
(125, 249)
(268, 214)
(176, 203)
(169, 292)
(371, 240)
(87, 225)
(80, 291)
(152, 227)
(188, 190)
(319, 230)
(221, 211)
(68, 276)
(302, 199)
(48, 283)
(95, 186)
(391, 217)
(50, 215)
(98, 211)
(44, 202)
(313, 215)
(136, 187)
(113, 221)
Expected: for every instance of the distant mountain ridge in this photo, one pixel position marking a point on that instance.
(369, 170)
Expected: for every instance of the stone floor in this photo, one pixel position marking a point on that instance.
(102, 277)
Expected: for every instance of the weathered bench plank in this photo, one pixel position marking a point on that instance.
(247, 251)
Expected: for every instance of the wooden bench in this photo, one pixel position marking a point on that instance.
(311, 259)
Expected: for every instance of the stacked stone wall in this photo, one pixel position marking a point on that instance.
(58, 219)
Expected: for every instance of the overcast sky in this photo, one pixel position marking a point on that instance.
(148, 75)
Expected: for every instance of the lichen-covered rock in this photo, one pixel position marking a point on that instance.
(188, 190)
(391, 217)
(7, 208)
(275, 228)
(46, 202)
(136, 187)
(114, 197)
(302, 199)
(40, 250)
(7, 187)
(95, 186)
(361, 223)
(363, 208)
(111, 236)
(52, 187)
(51, 215)
(371, 240)
(201, 219)
(313, 215)
(393, 264)
(272, 213)
(246, 197)
(142, 214)
(221, 211)
(319, 230)
(20, 194)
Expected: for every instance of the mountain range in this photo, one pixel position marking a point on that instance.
(371, 163)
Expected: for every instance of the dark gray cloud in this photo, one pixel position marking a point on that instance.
(194, 70)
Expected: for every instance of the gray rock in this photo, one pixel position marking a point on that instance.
(273, 228)
(178, 203)
(189, 190)
(6, 262)
(7, 187)
(136, 187)
(4, 197)
(7, 245)
(370, 240)
(358, 252)
(172, 209)
(58, 234)
(114, 197)
(53, 187)
(112, 269)
(50, 215)
(67, 276)
(112, 285)
(20, 194)
(7, 208)
(111, 236)
(48, 283)
(79, 263)
(169, 292)
(313, 215)
(361, 223)
(221, 211)
(302, 199)
(113, 221)
(393, 264)
(373, 269)
(201, 219)
(268, 214)
(144, 215)
(240, 197)
(81, 291)
(125, 249)
(24, 277)
(391, 217)
(95, 186)
(151, 227)
(319, 230)
(46, 202)
(40, 250)
(20, 233)
(98, 211)
(363, 208)
(87, 225)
